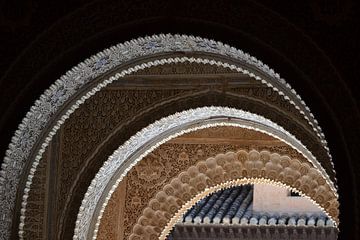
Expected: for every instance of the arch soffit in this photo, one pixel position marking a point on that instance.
(225, 170)
(123, 159)
(64, 88)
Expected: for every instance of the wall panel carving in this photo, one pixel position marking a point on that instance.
(184, 68)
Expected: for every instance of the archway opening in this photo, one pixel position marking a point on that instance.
(254, 210)
(249, 166)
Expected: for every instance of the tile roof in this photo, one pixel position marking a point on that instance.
(234, 206)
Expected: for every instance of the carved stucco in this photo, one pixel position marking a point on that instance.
(159, 132)
(71, 166)
(184, 68)
(175, 157)
(91, 127)
(36, 220)
(69, 84)
(99, 109)
(113, 229)
(91, 124)
(101, 114)
(169, 160)
(166, 207)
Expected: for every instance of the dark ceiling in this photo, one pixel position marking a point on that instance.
(313, 44)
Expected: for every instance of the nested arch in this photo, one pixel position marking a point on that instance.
(224, 170)
(151, 137)
(49, 114)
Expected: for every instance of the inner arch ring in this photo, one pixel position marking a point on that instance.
(163, 130)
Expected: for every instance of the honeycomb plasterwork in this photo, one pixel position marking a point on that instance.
(203, 116)
(63, 89)
(178, 195)
(177, 158)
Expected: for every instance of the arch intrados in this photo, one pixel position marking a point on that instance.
(114, 169)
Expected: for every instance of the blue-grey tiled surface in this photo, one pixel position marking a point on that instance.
(234, 206)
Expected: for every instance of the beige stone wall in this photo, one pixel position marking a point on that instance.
(274, 199)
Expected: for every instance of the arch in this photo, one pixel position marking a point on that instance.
(49, 113)
(145, 141)
(156, 63)
(225, 170)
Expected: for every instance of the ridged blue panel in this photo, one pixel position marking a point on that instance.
(206, 207)
(234, 206)
(215, 208)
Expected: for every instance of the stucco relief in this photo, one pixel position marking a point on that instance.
(164, 130)
(264, 166)
(97, 117)
(95, 121)
(151, 170)
(179, 157)
(68, 85)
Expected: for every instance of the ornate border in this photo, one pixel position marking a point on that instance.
(64, 88)
(148, 139)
